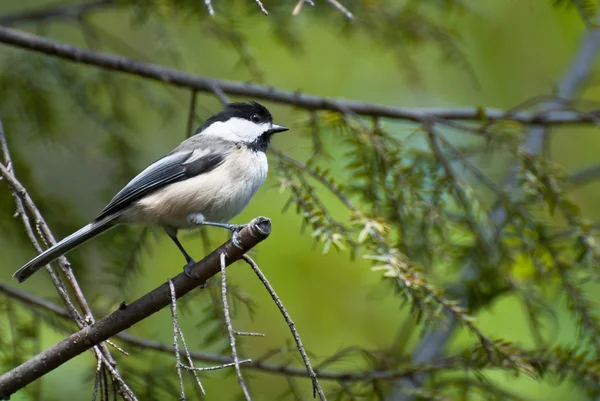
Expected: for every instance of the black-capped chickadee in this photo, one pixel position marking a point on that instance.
(207, 180)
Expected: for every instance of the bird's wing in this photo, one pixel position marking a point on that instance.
(171, 168)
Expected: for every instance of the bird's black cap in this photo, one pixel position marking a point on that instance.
(251, 111)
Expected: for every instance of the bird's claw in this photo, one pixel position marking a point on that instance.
(187, 269)
(235, 229)
(235, 241)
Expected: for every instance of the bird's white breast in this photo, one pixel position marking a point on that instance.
(219, 195)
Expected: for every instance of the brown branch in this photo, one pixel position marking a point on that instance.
(179, 78)
(127, 315)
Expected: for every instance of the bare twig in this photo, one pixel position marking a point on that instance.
(191, 114)
(209, 6)
(248, 334)
(115, 346)
(176, 328)
(341, 8)
(311, 373)
(176, 332)
(220, 94)
(262, 8)
(298, 7)
(97, 379)
(179, 78)
(223, 366)
(234, 354)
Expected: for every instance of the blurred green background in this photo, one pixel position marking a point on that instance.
(516, 50)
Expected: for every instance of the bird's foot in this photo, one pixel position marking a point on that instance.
(188, 272)
(234, 235)
(198, 219)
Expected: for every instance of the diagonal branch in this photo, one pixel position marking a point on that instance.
(179, 78)
(127, 315)
(311, 373)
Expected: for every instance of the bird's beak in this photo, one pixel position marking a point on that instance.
(277, 128)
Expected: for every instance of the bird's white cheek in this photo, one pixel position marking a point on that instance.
(236, 130)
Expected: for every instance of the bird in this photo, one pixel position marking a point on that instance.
(207, 180)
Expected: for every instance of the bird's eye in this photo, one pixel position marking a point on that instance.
(255, 118)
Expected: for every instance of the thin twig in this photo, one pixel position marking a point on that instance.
(311, 373)
(121, 350)
(230, 330)
(190, 360)
(220, 94)
(97, 379)
(248, 334)
(341, 8)
(262, 8)
(298, 7)
(209, 6)
(223, 366)
(191, 113)
(178, 333)
(178, 364)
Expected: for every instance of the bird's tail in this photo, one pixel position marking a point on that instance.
(69, 243)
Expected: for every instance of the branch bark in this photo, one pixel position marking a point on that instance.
(126, 316)
(179, 78)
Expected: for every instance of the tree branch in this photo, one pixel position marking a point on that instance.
(127, 315)
(179, 78)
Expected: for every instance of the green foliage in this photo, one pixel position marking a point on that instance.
(420, 203)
